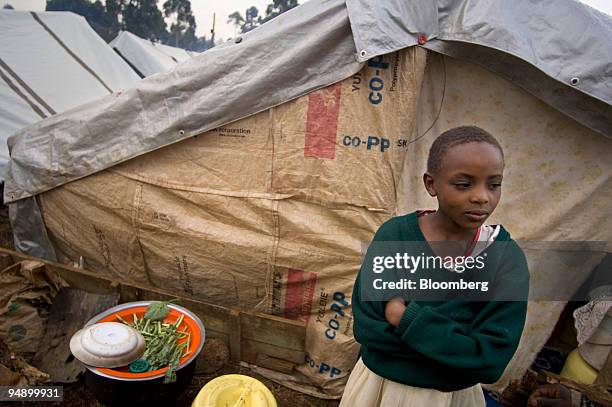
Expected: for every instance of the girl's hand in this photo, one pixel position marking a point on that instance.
(394, 310)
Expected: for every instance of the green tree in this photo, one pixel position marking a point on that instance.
(114, 10)
(182, 30)
(143, 18)
(236, 19)
(247, 23)
(276, 8)
(250, 21)
(140, 17)
(252, 18)
(94, 13)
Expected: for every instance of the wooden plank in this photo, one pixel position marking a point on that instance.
(83, 281)
(71, 309)
(128, 293)
(234, 335)
(250, 350)
(272, 363)
(274, 330)
(213, 316)
(288, 335)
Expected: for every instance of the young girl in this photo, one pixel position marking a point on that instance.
(436, 353)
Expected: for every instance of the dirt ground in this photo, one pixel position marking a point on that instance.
(77, 395)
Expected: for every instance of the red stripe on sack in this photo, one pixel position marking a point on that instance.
(299, 294)
(322, 122)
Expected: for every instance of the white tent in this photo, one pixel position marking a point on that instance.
(51, 62)
(148, 57)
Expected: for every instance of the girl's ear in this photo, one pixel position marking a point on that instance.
(428, 181)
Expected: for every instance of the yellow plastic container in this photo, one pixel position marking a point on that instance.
(234, 390)
(577, 369)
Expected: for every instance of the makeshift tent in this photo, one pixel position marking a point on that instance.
(252, 175)
(148, 57)
(51, 62)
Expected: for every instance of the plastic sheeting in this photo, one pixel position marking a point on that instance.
(307, 48)
(51, 62)
(29, 231)
(221, 85)
(148, 57)
(559, 51)
(564, 39)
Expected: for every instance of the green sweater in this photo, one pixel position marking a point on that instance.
(448, 345)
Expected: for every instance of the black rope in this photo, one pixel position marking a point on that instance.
(439, 109)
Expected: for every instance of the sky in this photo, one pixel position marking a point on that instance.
(203, 11)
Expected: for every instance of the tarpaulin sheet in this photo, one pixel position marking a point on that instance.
(268, 213)
(306, 48)
(148, 57)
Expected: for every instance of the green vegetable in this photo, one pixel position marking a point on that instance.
(157, 311)
(161, 339)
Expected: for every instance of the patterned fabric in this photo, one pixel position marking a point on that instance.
(589, 317)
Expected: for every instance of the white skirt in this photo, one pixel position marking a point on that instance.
(366, 389)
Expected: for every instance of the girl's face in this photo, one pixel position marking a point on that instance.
(468, 183)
